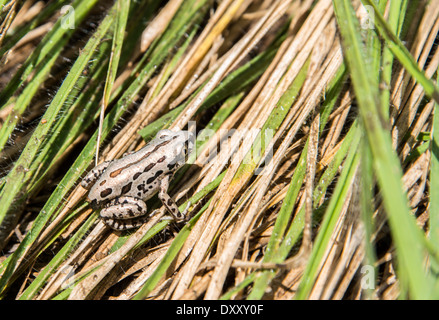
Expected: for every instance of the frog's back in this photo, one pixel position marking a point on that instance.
(136, 175)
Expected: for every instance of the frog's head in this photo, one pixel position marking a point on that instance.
(181, 144)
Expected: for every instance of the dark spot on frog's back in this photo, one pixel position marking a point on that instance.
(106, 192)
(126, 188)
(157, 174)
(136, 175)
(150, 180)
(149, 167)
(161, 159)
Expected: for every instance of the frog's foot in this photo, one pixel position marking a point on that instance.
(183, 214)
(169, 203)
(186, 210)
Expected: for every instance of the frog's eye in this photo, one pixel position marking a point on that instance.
(164, 133)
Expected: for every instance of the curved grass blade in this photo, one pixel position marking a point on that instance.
(402, 54)
(396, 16)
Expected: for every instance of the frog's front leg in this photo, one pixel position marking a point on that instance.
(168, 202)
(94, 174)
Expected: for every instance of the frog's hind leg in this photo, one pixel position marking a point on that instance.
(124, 208)
(125, 213)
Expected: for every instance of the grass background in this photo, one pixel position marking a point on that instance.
(328, 107)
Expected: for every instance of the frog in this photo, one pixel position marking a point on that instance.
(121, 187)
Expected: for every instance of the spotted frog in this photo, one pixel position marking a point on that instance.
(121, 187)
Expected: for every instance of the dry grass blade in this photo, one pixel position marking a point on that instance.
(82, 290)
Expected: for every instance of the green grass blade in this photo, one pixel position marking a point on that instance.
(171, 253)
(285, 102)
(179, 240)
(19, 175)
(77, 117)
(16, 35)
(233, 84)
(116, 49)
(331, 216)
(49, 45)
(367, 208)
(272, 251)
(402, 54)
(254, 155)
(395, 15)
(295, 230)
(280, 243)
(409, 240)
(434, 187)
(235, 290)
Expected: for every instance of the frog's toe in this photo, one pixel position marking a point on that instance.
(125, 224)
(124, 208)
